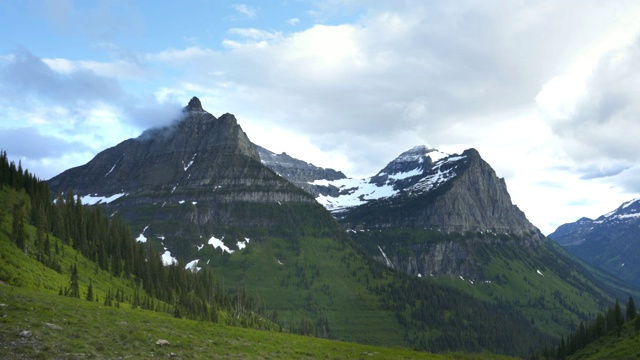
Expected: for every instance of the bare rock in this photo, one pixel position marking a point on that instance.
(53, 326)
(25, 334)
(162, 342)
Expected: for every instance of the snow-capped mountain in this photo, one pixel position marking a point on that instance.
(612, 241)
(417, 170)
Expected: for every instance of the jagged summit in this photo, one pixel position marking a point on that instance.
(194, 105)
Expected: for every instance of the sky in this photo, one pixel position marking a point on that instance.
(547, 91)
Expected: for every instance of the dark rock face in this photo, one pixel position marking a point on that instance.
(442, 217)
(473, 199)
(610, 242)
(186, 182)
(300, 173)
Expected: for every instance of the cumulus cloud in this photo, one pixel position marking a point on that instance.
(429, 68)
(82, 110)
(607, 111)
(29, 76)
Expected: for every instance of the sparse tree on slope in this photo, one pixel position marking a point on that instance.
(631, 309)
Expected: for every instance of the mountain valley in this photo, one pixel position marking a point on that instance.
(429, 253)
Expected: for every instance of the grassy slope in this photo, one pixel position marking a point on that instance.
(555, 302)
(95, 331)
(627, 346)
(323, 280)
(566, 293)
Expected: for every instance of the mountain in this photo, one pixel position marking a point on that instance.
(426, 190)
(429, 189)
(610, 242)
(202, 195)
(188, 184)
(450, 218)
(300, 173)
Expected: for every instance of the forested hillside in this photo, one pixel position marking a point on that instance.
(46, 231)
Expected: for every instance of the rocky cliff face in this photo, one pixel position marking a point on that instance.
(301, 173)
(457, 193)
(184, 183)
(610, 242)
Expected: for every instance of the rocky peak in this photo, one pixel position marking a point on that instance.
(628, 209)
(194, 105)
(457, 193)
(417, 158)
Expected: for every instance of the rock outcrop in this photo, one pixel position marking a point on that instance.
(304, 175)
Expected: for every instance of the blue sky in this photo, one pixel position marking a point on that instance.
(547, 91)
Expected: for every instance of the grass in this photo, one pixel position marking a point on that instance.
(322, 280)
(627, 346)
(90, 330)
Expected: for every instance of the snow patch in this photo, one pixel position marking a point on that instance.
(186, 167)
(141, 238)
(95, 199)
(280, 262)
(194, 202)
(113, 167)
(389, 264)
(193, 265)
(181, 202)
(242, 244)
(218, 244)
(167, 259)
(539, 272)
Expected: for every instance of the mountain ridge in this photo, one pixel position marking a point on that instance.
(610, 242)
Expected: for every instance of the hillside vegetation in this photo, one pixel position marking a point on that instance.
(57, 303)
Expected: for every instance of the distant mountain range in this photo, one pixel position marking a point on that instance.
(611, 242)
(430, 252)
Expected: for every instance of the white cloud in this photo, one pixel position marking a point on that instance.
(245, 10)
(542, 89)
(293, 21)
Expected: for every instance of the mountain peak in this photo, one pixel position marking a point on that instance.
(194, 105)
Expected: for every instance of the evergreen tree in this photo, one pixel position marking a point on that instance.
(90, 291)
(74, 289)
(631, 309)
(619, 318)
(19, 235)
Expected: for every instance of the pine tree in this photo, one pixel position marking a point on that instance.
(90, 291)
(74, 289)
(19, 235)
(631, 309)
(619, 318)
